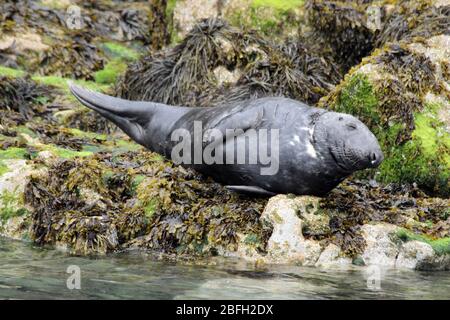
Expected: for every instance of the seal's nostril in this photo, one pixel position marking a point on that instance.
(373, 158)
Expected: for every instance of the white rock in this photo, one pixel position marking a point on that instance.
(331, 257)
(224, 76)
(187, 12)
(413, 253)
(14, 228)
(15, 179)
(287, 244)
(380, 248)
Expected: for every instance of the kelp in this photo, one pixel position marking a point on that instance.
(24, 95)
(414, 19)
(355, 203)
(186, 74)
(87, 120)
(342, 26)
(103, 203)
(72, 52)
(76, 57)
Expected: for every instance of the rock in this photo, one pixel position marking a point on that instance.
(437, 263)
(12, 210)
(23, 42)
(316, 221)
(332, 257)
(405, 104)
(13, 181)
(47, 157)
(187, 12)
(269, 18)
(14, 228)
(380, 248)
(224, 76)
(347, 28)
(419, 255)
(414, 253)
(287, 244)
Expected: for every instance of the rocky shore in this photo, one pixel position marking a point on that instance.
(71, 180)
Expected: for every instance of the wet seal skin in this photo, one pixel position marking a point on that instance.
(314, 151)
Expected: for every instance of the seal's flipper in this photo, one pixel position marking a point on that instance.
(123, 113)
(130, 116)
(251, 190)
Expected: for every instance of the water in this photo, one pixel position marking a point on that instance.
(31, 272)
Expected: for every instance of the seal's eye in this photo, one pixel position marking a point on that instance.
(351, 126)
(340, 119)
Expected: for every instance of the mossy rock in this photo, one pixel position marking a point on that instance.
(441, 246)
(401, 92)
(271, 18)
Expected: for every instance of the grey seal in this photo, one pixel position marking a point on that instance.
(317, 148)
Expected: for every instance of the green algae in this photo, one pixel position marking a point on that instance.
(14, 153)
(90, 135)
(63, 83)
(10, 72)
(117, 50)
(278, 4)
(67, 153)
(417, 152)
(3, 168)
(270, 18)
(11, 206)
(109, 75)
(440, 246)
(26, 130)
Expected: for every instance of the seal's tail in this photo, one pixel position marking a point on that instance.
(133, 117)
(115, 109)
(130, 116)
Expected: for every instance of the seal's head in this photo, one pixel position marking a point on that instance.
(349, 142)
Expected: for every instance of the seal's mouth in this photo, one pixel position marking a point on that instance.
(338, 155)
(351, 159)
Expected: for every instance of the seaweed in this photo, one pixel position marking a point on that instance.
(87, 120)
(396, 109)
(95, 205)
(414, 19)
(185, 75)
(76, 53)
(160, 36)
(343, 27)
(355, 203)
(77, 58)
(24, 95)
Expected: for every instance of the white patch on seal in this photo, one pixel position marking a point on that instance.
(296, 138)
(310, 149)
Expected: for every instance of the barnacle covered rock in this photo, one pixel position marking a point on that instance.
(402, 93)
